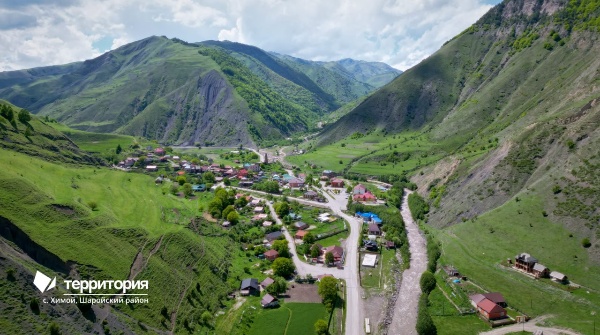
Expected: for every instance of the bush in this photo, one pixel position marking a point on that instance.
(586, 243)
(556, 189)
(321, 327)
(92, 205)
(34, 304)
(418, 206)
(53, 328)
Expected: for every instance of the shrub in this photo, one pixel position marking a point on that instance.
(92, 205)
(53, 328)
(556, 189)
(586, 243)
(34, 304)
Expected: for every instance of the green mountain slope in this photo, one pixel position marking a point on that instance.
(169, 91)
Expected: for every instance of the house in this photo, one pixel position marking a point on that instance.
(296, 183)
(300, 225)
(540, 271)
(324, 217)
(259, 209)
(558, 277)
(365, 197)
(495, 297)
(359, 189)
(151, 168)
(254, 167)
(159, 151)
(490, 310)
(336, 182)
(249, 286)
(273, 236)
(374, 229)
(370, 260)
(300, 234)
(265, 283)
(329, 174)
(271, 254)
(269, 301)
(226, 224)
(337, 251)
(243, 173)
(158, 180)
(260, 217)
(199, 188)
(254, 202)
(267, 223)
(390, 245)
(525, 262)
(450, 271)
(310, 194)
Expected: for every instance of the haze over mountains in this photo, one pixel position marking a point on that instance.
(167, 90)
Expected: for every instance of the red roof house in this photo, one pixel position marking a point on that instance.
(490, 310)
(336, 182)
(365, 197)
(271, 254)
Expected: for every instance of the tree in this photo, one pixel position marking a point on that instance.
(241, 202)
(181, 180)
(227, 181)
(206, 317)
(24, 117)
(119, 149)
(329, 259)
(283, 267)
(174, 189)
(187, 190)
(321, 327)
(208, 177)
(233, 217)
(315, 251)
(281, 246)
(282, 209)
(328, 290)
(93, 205)
(279, 286)
(427, 282)
(227, 210)
(215, 207)
(309, 238)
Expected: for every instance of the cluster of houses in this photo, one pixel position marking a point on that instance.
(330, 176)
(250, 286)
(529, 264)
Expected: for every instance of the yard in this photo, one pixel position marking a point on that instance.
(291, 318)
(382, 276)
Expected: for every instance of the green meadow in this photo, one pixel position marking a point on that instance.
(479, 248)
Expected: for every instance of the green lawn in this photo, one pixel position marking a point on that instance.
(289, 319)
(373, 153)
(304, 316)
(334, 240)
(271, 322)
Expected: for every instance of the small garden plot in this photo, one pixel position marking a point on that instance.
(272, 321)
(335, 239)
(304, 317)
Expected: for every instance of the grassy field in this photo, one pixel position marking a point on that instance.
(375, 153)
(97, 142)
(52, 203)
(288, 319)
(478, 247)
(334, 240)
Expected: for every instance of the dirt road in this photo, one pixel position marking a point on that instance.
(530, 327)
(405, 312)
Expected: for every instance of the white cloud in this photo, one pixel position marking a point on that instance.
(400, 33)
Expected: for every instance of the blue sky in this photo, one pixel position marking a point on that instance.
(401, 33)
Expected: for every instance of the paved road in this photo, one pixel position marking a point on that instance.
(530, 327)
(404, 320)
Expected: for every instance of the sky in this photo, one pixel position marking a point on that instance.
(398, 32)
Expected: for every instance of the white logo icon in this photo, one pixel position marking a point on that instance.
(41, 281)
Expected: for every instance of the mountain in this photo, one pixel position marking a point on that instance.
(511, 105)
(179, 93)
